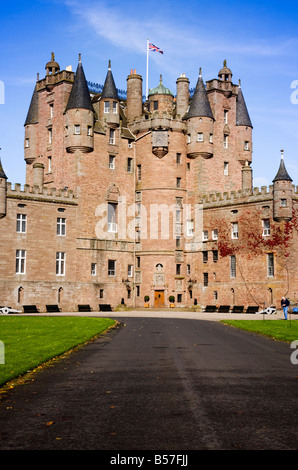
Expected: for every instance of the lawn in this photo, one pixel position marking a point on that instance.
(282, 330)
(31, 341)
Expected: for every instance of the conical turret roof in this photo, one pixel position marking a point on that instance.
(199, 106)
(242, 116)
(79, 96)
(32, 116)
(2, 173)
(282, 174)
(109, 89)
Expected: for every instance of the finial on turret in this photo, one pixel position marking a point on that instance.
(225, 63)
(282, 154)
(160, 79)
(200, 72)
(80, 58)
(239, 83)
(53, 56)
(109, 64)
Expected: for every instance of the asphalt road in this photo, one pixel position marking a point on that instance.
(159, 384)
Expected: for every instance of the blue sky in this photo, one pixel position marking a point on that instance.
(259, 40)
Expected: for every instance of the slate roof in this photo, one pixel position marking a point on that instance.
(109, 89)
(79, 96)
(282, 174)
(199, 106)
(242, 116)
(32, 116)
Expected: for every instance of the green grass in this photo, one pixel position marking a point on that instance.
(31, 341)
(281, 330)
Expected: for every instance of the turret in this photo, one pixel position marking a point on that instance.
(182, 100)
(3, 192)
(30, 125)
(160, 99)
(109, 101)
(244, 129)
(38, 174)
(134, 103)
(282, 193)
(79, 115)
(199, 123)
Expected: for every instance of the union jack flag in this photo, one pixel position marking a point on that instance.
(154, 48)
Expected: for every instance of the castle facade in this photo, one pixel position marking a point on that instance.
(132, 198)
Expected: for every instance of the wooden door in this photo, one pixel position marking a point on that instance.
(159, 299)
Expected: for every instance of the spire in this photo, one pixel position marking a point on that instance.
(199, 106)
(79, 96)
(282, 174)
(109, 89)
(32, 116)
(242, 116)
(2, 173)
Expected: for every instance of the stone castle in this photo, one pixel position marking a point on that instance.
(130, 198)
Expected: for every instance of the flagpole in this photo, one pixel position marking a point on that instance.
(147, 69)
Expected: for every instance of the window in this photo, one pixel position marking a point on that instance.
(130, 144)
(138, 261)
(178, 269)
(27, 143)
(178, 158)
(190, 293)
(89, 130)
(188, 166)
(50, 136)
(111, 267)
(246, 145)
(139, 172)
(93, 269)
(215, 256)
(283, 203)
(130, 270)
(115, 107)
(232, 266)
(205, 235)
(21, 223)
(188, 138)
(179, 298)
(112, 162)
(225, 141)
(51, 110)
(215, 295)
(49, 164)
(20, 262)
(211, 138)
(112, 217)
(270, 264)
(178, 215)
(188, 269)
(129, 293)
(205, 279)
(129, 165)
(178, 242)
(112, 136)
(215, 234)
(155, 105)
(61, 226)
(225, 116)
(138, 291)
(106, 107)
(189, 228)
(101, 293)
(178, 182)
(234, 230)
(226, 168)
(266, 227)
(200, 137)
(60, 263)
(77, 129)
(205, 256)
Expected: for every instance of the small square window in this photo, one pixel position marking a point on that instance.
(283, 203)
(205, 235)
(112, 162)
(215, 234)
(226, 168)
(77, 129)
(111, 267)
(106, 107)
(200, 137)
(178, 182)
(93, 269)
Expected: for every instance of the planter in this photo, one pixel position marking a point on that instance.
(146, 305)
(172, 305)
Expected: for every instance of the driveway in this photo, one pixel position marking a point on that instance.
(159, 384)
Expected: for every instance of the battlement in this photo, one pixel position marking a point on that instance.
(64, 75)
(65, 196)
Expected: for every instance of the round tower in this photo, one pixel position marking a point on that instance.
(282, 193)
(182, 101)
(3, 192)
(200, 121)
(38, 174)
(30, 143)
(79, 115)
(244, 129)
(109, 101)
(134, 96)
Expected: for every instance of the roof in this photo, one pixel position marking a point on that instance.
(160, 90)
(79, 96)
(282, 174)
(199, 106)
(32, 116)
(2, 174)
(109, 89)
(242, 116)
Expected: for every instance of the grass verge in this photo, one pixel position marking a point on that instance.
(31, 341)
(281, 330)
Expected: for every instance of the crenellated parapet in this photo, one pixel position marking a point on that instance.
(44, 194)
